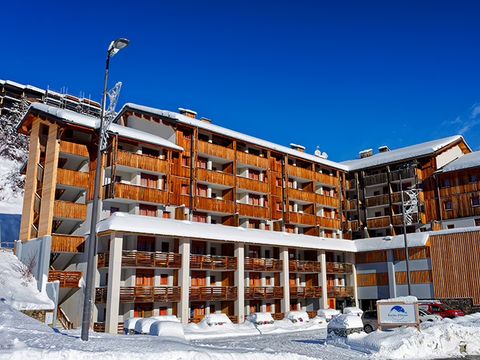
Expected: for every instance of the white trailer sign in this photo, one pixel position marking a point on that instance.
(392, 314)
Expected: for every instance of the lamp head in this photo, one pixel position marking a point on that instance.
(117, 45)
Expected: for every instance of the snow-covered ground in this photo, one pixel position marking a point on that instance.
(11, 202)
(18, 288)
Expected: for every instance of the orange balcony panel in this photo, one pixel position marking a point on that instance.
(67, 279)
(252, 185)
(216, 150)
(253, 160)
(215, 205)
(253, 211)
(328, 223)
(72, 178)
(328, 201)
(142, 294)
(137, 193)
(68, 147)
(69, 210)
(305, 292)
(302, 195)
(144, 162)
(299, 218)
(213, 293)
(378, 222)
(304, 266)
(263, 292)
(215, 177)
(254, 264)
(67, 243)
(207, 262)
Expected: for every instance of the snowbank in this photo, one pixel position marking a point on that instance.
(353, 311)
(215, 320)
(345, 321)
(129, 325)
(402, 299)
(435, 340)
(297, 316)
(142, 326)
(18, 288)
(328, 313)
(168, 329)
(166, 318)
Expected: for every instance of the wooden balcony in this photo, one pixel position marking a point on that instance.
(253, 211)
(136, 193)
(144, 259)
(301, 195)
(218, 151)
(252, 185)
(67, 279)
(305, 292)
(141, 294)
(215, 177)
(210, 204)
(328, 223)
(67, 243)
(398, 219)
(378, 222)
(351, 205)
(254, 264)
(213, 293)
(302, 218)
(304, 266)
(340, 291)
(404, 174)
(209, 262)
(328, 201)
(311, 175)
(461, 189)
(339, 268)
(377, 179)
(253, 160)
(263, 292)
(69, 210)
(351, 184)
(354, 225)
(71, 148)
(140, 161)
(72, 178)
(379, 200)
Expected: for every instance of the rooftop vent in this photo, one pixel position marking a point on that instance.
(204, 119)
(188, 112)
(365, 153)
(297, 147)
(383, 148)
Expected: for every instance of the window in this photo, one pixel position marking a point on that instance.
(378, 213)
(185, 161)
(148, 180)
(268, 280)
(202, 190)
(184, 190)
(254, 174)
(166, 215)
(473, 178)
(477, 222)
(448, 205)
(163, 279)
(278, 182)
(254, 199)
(165, 246)
(148, 210)
(451, 226)
(198, 217)
(267, 254)
(213, 281)
(202, 163)
(476, 201)
(446, 183)
(151, 152)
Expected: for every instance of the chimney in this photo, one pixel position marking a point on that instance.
(187, 112)
(297, 147)
(383, 148)
(204, 119)
(365, 153)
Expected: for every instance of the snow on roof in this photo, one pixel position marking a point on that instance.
(230, 133)
(466, 161)
(403, 299)
(167, 227)
(391, 242)
(405, 153)
(15, 84)
(34, 88)
(93, 123)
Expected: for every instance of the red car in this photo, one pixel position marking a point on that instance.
(443, 310)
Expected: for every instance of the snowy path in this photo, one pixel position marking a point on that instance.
(311, 343)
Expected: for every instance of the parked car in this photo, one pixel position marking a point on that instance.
(345, 324)
(426, 316)
(369, 319)
(215, 320)
(353, 311)
(297, 316)
(261, 318)
(438, 308)
(328, 314)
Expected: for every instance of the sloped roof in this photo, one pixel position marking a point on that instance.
(91, 122)
(405, 153)
(230, 133)
(466, 161)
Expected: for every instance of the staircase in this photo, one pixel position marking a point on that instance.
(63, 319)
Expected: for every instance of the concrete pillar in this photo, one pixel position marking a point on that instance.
(323, 279)
(285, 279)
(353, 277)
(209, 165)
(240, 282)
(209, 192)
(113, 286)
(184, 280)
(392, 282)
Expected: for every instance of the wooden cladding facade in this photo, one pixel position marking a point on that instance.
(456, 265)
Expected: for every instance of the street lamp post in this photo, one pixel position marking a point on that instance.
(407, 257)
(113, 49)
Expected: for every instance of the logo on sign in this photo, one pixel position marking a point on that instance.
(397, 312)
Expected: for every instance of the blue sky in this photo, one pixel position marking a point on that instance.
(343, 75)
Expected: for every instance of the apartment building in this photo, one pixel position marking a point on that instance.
(197, 218)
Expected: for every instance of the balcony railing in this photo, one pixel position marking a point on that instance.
(398, 219)
(376, 179)
(404, 173)
(213, 293)
(378, 222)
(328, 201)
(328, 223)
(303, 292)
(253, 185)
(141, 161)
(69, 210)
(134, 258)
(211, 204)
(313, 176)
(354, 225)
(141, 294)
(67, 279)
(304, 266)
(68, 147)
(253, 160)
(302, 218)
(302, 195)
(254, 264)
(378, 200)
(339, 268)
(210, 262)
(351, 204)
(215, 177)
(72, 178)
(340, 291)
(67, 243)
(253, 211)
(136, 193)
(216, 150)
(263, 292)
